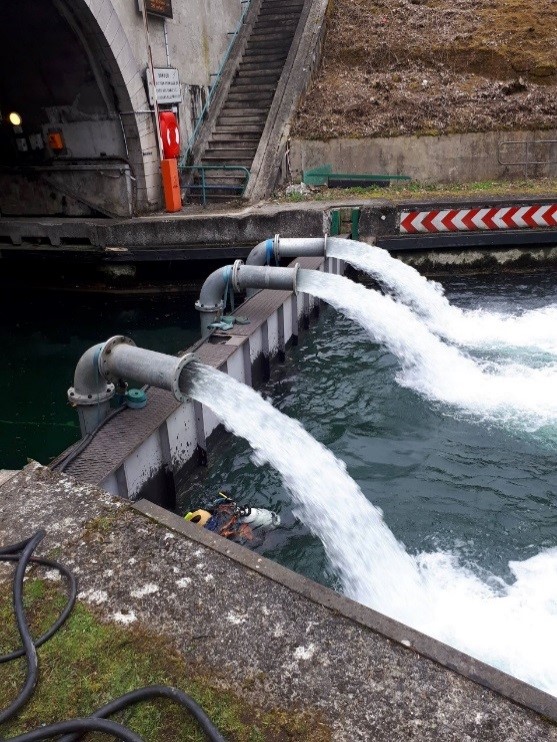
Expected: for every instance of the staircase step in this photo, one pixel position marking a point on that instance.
(288, 12)
(247, 129)
(240, 123)
(275, 39)
(259, 99)
(242, 116)
(239, 109)
(241, 135)
(273, 65)
(266, 49)
(230, 155)
(276, 22)
(224, 176)
(254, 86)
(218, 160)
(259, 72)
(269, 8)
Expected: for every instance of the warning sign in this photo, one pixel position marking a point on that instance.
(159, 7)
(167, 84)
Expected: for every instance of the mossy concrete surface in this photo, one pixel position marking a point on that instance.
(268, 661)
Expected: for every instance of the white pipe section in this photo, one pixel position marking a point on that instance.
(286, 247)
(263, 277)
(121, 359)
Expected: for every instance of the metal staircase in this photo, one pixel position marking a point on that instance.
(240, 123)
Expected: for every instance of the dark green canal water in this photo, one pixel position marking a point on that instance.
(42, 336)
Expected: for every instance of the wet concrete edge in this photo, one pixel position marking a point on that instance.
(470, 668)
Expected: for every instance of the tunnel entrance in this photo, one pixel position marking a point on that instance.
(65, 148)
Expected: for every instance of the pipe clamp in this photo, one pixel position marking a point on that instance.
(235, 274)
(276, 248)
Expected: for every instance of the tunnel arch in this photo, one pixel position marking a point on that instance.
(69, 69)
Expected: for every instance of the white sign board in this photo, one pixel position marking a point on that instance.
(167, 85)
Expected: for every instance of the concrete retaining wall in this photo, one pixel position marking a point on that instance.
(456, 158)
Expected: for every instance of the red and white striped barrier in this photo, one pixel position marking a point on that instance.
(468, 220)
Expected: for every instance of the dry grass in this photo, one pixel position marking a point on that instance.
(399, 67)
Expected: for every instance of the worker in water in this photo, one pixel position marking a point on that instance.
(225, 517)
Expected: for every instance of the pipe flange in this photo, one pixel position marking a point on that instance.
(177, 383)
(295, 279)
(106, 350)
(85, 400)
(276, 248)
(235, 275)
(210, 308)
(90, 377)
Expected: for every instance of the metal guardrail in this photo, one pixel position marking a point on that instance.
(529, 148)
(184, 157)
(204, 187)
(324, 176)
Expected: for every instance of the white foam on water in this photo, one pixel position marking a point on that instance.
(511, 394)
(534, 329)
(358, 543)
(509, 626)
(512, 627)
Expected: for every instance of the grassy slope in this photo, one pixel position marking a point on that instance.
(88, 662)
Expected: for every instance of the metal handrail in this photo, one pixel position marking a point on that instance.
(212, 89)
(205, 187)
(527, 161)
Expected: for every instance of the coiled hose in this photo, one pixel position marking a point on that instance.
(22, 554)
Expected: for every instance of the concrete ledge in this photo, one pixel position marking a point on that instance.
(481, 673)
(273, 637)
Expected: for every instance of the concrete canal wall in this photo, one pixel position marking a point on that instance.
(502, 240)
(275, 638)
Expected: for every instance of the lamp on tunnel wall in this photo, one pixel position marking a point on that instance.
(20, 141)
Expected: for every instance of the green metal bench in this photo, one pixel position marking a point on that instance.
(324, 176)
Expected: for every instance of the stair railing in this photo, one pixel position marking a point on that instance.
(212, 89)
(527, 153)
(240, 188)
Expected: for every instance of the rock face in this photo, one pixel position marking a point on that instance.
(433, 67)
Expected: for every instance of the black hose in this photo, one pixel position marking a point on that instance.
(73, 729)
(157, 691)
(28, 645)
(89, 724)
(72, 594)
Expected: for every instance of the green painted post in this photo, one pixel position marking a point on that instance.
(355, 218)
(335, 222)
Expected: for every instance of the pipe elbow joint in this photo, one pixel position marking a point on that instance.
(211, 296)
(263, 252)
(90, 386)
